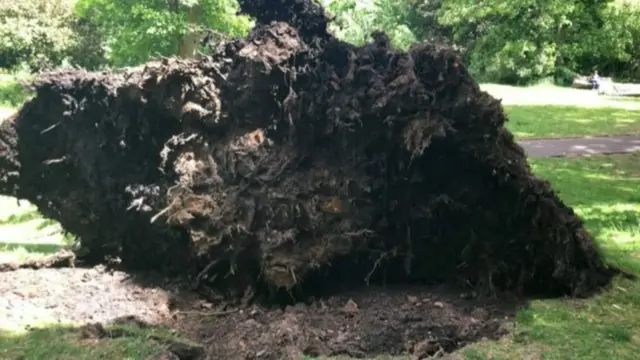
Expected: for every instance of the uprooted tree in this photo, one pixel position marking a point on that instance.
(288, 154)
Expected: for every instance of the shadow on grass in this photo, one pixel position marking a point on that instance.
(533, 121)
(88, 342)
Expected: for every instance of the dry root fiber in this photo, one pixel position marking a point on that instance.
(288, 152)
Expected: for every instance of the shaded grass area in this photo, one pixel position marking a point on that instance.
(604, 191)
(540, 121)
(63, 342)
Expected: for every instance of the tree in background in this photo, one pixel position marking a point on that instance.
(504, 41)
(355, 20)
(35, 34)
(139, 29)
(38, 35)
(615, 47)
(520, 41)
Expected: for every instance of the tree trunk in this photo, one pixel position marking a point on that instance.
(189, 43)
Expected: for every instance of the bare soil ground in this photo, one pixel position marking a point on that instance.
(76, 296)
(421, 321)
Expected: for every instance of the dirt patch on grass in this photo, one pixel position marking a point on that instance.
(422, 321)
(76, 295)
(361, 323)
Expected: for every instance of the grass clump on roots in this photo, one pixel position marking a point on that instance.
(289, 155)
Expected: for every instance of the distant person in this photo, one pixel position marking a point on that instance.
(595, 80)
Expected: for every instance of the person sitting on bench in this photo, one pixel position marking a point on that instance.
(595, 80)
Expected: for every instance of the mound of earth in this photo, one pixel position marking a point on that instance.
(289, 161)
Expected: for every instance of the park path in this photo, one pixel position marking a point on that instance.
(561, 147)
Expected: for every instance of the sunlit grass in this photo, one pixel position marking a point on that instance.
(548, 94)
(540, 121)
(551, 111)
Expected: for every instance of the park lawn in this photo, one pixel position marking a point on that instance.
(544, 121)
(604, 191)
(67, 343)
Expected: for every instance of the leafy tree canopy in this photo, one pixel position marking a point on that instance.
(139, 29)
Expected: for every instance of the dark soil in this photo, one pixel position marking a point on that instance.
(420, 321)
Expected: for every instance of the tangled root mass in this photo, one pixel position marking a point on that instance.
(290, 153)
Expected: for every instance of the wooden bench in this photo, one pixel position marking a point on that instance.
(582, 82)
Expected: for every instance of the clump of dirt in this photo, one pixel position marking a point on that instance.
(289, 159)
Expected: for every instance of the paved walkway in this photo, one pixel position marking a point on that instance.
(581, 146)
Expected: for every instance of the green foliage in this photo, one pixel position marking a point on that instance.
(12, 94)
(139, 29)
(89, 49)
(356, 20)
(519, 41)
(36, 33)
(614, 48)
(39, 35)
(503, 41)
(509, 41)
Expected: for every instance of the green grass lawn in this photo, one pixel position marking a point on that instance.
(541, 121)
(551, 111)
(67, 343)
